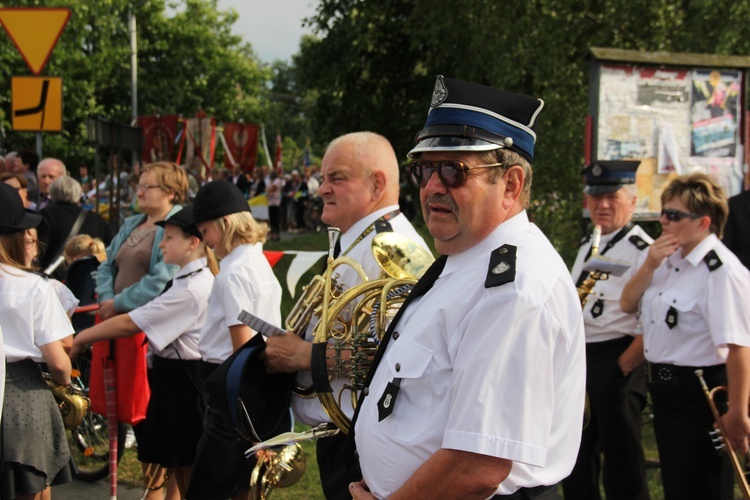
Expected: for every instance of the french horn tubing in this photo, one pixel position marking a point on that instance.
(352, 325)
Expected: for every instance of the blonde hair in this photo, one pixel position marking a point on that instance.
(702, 196)
(83, 245)
(171, 179)
(238, 229)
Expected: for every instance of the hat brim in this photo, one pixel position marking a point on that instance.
(602, 188)
(452, 143)
(190, 229)
(29, 220)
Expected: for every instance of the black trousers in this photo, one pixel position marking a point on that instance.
(614, 430)
(690, 466)
(332, 465)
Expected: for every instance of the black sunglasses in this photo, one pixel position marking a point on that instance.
(673, 215)
(452, 173)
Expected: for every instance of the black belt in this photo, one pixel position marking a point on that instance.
(665, 374)
(527, 493)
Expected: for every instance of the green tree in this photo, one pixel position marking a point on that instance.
(375, 60)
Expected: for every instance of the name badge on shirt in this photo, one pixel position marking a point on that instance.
(671, 318)
(598, 308)
(388, 399)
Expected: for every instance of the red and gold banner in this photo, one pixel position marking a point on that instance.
(158, 137)
(242, 143)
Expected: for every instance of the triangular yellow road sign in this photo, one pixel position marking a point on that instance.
(34, 32)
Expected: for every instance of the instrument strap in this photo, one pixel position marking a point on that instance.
(368, 229)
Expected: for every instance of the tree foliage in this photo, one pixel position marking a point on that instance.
(188, 60)
(374, 61)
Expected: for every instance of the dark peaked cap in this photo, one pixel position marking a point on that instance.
(466, 116)
(608, 176)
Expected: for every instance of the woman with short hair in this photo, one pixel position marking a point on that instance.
(693, 294)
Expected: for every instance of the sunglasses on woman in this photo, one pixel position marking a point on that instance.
(673, 215)
(452, 173)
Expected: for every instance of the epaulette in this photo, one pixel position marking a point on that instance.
(712, 261)
(502, 268)
(383, 226)
(585, 240)
(639, 242)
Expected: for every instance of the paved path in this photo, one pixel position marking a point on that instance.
(80, 490)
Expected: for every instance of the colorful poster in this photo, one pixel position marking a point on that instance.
(714, 104)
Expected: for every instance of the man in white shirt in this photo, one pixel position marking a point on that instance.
(360, 191)
(615, 373)
(478, 389)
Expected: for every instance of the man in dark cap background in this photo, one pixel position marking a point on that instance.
(615, 372)
(478, 386)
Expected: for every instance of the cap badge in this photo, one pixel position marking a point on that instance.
(440, 93)
(500, 268)
(596, 170)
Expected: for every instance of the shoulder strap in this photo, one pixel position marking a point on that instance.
(73, 231)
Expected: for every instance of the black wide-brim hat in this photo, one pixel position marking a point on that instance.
(253, 402)
(184, 220)
(466, 116)
(607, 176)
(217, 199)
(14, 217)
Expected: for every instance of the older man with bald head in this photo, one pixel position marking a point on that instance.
(360, 188)
(49, 170)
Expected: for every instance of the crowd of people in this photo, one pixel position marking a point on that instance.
(480, 381)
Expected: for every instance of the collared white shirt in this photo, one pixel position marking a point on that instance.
(245, 282)
(30, 315)
(172, 321)
(612, 323)
(711, 307)
(309, 411)
(497, 371)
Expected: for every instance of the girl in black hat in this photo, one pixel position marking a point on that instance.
(35, 450)
(171, 322)
(245, 282)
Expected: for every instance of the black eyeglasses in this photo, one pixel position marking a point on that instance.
(673, 215)
(452, 173)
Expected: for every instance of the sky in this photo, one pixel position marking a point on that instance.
(274, 27)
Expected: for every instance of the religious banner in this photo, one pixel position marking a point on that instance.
(241, 141)
(201, 141)
(158, 137)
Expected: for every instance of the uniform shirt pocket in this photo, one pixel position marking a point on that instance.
(679, 299)
(408, 361)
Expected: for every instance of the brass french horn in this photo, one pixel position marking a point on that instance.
(276, 468)
(352, 324)
(72, 402)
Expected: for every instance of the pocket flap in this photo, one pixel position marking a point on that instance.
(408, 359)
(679, 299)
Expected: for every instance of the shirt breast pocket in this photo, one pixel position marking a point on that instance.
(685, 303)
(409, 362)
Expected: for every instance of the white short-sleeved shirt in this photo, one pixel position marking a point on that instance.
(245, 282)
(711, 307)
(612, 323)
(172, 321)
(497, 371)
(2, 375)
(309, 411)
(30, 315)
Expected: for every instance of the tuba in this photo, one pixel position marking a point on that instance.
(719, 436)
(72, 402)
(352, 324)
(276, 468)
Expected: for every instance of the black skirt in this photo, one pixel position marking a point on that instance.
(169, 435)
(35, 451)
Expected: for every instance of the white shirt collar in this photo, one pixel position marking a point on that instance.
(496, 238)
(358, 227)
(191, 266)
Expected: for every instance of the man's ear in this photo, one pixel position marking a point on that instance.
(514, 178)
(377, 178)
